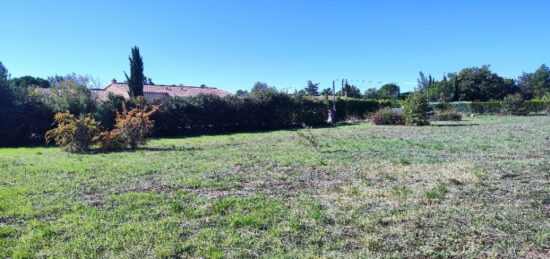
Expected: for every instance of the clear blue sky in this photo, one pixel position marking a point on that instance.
(231, 44)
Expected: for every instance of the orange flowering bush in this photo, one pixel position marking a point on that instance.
(131, 128)
(78, 135)
(72, 134)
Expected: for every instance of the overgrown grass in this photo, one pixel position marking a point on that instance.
(476, 188)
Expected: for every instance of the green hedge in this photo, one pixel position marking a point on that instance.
(357, 108)
(206, 114)
(491, 107)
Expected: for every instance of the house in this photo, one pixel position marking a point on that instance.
(156, 92)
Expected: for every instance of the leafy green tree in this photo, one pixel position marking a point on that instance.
(371, 93)
(541, 81)
(471, 84)
(327, 92)
(30, 81)
(23, 120)
(416, 110)
(241, 92)
(312, 89)
(389, 91)
(441, 91)
(525, 84)
(260, 87)
(68, 93)
(350, 91)
(480, 84)
(136, 78)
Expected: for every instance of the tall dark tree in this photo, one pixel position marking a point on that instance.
(4, 75)
(136, 78)
(312, 89)
(541, 81)
(5, 89)
(525, 84)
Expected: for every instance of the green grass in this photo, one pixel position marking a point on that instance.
(478, 188)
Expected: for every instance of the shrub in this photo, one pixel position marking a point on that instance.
(72, 134)
(514, 105)
(311, 139)
(133, 126)
(388, 116)
(417, 110)
(447, 116)
(109, 141)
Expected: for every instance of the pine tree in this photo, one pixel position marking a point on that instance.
(136, 79)
(416, 110)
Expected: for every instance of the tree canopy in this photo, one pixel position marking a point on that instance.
(30, 81)
(311, 88)
(350, 91)
(471, 84)
(541, 81)
(260, 87)
(389, 91)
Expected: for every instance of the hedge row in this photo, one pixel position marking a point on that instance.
(490, 107)
(357, 108)
(26, 123)
(206, 114)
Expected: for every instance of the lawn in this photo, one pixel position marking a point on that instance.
(477, 188)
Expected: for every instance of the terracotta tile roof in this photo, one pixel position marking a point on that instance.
(158, 91)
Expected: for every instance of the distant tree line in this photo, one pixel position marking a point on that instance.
(472, 84)
(481, 84)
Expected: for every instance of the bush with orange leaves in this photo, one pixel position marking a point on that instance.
(78, 135)
(72, 134)
(131, 128)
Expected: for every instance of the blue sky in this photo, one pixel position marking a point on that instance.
(232, 44)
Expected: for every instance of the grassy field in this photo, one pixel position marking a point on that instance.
(478, 188)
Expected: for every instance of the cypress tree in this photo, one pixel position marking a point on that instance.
(136, 79)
